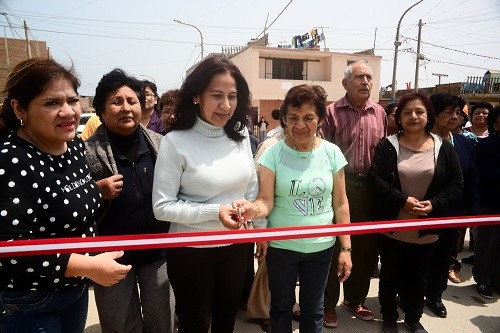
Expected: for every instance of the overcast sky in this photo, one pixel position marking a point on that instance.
(460, 38)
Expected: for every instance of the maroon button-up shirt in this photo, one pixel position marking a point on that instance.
(357, 133)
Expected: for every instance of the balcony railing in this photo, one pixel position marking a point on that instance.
(481, 85)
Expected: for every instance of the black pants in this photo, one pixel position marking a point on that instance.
(403, 272)
(486, 268)
(364, 248)
(439, 263)
(207, 284)
(249, 275)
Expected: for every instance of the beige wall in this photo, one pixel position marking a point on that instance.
(324, 68)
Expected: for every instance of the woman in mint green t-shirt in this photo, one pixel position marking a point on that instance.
(301, 184)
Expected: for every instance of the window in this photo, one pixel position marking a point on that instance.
(287, 69)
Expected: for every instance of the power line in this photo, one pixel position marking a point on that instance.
(450, 49)
(457, 64)
(124, 37)
(270, 24)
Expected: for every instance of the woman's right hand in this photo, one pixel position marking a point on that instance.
(411, 204)
(110, 187)
(107, 271)
(102, 268)
(225, 218)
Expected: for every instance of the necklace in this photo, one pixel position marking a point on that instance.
(305, 154)
(301, 154)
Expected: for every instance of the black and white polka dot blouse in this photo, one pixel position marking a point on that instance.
(43, 196)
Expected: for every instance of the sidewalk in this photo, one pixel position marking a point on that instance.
(468, 312)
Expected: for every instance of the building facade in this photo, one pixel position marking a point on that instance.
(272, 71)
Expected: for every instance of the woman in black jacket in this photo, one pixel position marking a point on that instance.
(415, 174)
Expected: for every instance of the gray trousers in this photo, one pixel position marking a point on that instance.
(142, 302)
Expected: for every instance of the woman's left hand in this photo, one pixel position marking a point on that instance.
(261, 250)
(344, 266)
(424, 210)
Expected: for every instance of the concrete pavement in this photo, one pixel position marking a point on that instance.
(468, 312)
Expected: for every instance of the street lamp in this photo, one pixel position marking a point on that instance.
(201, 35)
(396, 45)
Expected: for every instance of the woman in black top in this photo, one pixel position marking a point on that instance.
(47, 192)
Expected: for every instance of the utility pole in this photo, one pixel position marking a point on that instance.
(28, 46)
(5, 39)
(419, 56)
(397, 43)
(6, 48)
(437, 74)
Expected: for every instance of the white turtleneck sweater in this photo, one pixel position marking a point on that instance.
(197, 171)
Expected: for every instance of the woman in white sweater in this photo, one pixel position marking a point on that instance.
(203, 165)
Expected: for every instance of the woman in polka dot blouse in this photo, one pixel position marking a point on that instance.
(47, 192)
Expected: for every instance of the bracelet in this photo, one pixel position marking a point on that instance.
(345, 249)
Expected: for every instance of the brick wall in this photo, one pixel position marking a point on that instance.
(16, 53)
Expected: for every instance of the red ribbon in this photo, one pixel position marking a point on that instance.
(167, 240)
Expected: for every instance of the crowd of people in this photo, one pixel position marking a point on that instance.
(184, 162)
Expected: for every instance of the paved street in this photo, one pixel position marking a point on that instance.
(467, 312)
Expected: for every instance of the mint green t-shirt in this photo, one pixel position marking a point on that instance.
(303, 191)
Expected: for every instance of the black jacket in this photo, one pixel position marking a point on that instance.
(131, 212)
(446, 185)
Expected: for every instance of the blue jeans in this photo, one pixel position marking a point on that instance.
(312, 269)
(44, 311)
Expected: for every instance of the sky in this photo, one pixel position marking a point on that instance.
(460, 38)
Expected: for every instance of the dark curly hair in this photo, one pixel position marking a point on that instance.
(112, 81)
(196, 83)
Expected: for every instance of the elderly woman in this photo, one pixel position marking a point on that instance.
(443, 263)
(47, 192)
(414, 174)
(122, 155)
(479, 119)
(169, 102)
(203, 165)
(302, 184)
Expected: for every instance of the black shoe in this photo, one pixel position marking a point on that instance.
(416, 327)
(265, 324)
(437, 307)
(390, 328)
(484, 291)
(468, 260)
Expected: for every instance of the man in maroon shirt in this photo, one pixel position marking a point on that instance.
(355, 124)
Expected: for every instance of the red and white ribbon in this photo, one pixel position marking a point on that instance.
(167, 240)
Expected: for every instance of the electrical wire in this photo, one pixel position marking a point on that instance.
(455, 50)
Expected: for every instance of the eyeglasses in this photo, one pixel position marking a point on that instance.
(148, 94)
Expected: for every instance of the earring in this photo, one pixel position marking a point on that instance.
(195, 102)
(22, 122)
